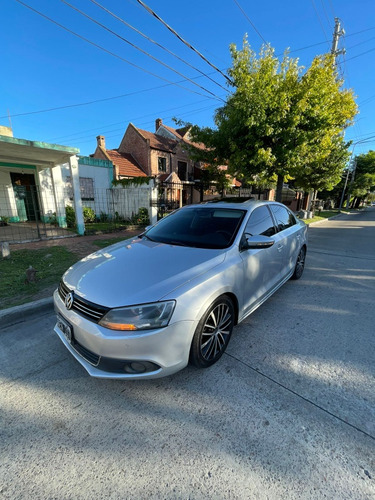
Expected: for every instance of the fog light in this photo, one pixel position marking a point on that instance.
(137, 367)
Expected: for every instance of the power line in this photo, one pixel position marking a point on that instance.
(122, 121)
(137, 48)
(368, 99)
(361, 43)
(250, 21)
(131, 120)
(150, 11)
(108, 51)
(320, 21)
(331, 7)
(325, 13)
(362, 31)
(142, 124)
(359, 55)
(86, 103)
(156, 43)
(324, 43)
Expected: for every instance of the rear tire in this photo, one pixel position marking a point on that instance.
(300, 264)
(213, 333)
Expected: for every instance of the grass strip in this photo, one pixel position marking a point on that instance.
(50, 263)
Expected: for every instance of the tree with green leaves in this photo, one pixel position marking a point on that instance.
(364, 181)
(279, 120)
(212, 175)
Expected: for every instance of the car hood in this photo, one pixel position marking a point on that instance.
(138, 271)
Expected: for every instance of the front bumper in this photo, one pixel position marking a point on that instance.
(107, 353)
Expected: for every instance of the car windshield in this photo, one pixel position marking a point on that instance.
(198, 227)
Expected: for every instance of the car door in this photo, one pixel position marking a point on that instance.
(289, 235)
(262, 268)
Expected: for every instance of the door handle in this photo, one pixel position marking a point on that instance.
(280, 247)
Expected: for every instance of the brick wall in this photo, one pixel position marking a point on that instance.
(138, 147)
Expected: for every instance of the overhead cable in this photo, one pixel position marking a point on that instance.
(150, 11)
(320, 21)
(67, 137)
(250, 21)
(138, 48)
(111, 53)
(361, 54)
(157, 43)
(325, 13)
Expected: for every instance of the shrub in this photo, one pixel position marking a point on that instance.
(70, 216)
(141, 217)
(103, 217)
(88, 214)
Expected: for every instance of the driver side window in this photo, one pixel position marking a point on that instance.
(260, 223)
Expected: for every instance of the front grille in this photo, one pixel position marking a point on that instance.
(89, 356)
(85, 308)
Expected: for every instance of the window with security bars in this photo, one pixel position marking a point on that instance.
(86, 185)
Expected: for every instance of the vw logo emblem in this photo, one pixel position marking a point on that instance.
(69, 299)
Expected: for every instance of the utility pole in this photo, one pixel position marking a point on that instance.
(338, 32)
(351, 183)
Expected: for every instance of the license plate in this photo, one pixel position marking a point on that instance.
(65, 327)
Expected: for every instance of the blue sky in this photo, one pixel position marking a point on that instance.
(44, 66)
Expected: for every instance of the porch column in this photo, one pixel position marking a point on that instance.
(74, 174)
(154, 198)
(59, 195)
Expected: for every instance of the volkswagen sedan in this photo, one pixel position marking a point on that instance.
(146, 307)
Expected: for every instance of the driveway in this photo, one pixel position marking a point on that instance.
(288, 412)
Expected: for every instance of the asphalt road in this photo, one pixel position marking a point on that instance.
(287, 413)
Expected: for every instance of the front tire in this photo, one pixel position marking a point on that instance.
(213, 333)
(300, 264)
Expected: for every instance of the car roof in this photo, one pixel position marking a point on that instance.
(245, 205)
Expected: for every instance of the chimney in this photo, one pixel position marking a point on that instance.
(100, 139)
(158, 123)
(7, 131)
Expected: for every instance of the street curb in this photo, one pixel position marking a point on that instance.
(324, 220)
(16, 314)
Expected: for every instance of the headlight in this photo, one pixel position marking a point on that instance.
(142, 317)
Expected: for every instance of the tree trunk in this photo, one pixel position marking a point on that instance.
(279, 188)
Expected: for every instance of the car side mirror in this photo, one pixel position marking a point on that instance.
(256, 242)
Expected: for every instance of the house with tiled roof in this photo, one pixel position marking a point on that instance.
(124, 164)
(162, 155)
(158, 154)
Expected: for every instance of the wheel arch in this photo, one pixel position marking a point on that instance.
(234, 300)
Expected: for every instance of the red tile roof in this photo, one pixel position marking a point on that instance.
(180, 134)
(127, 165)
(159, 142)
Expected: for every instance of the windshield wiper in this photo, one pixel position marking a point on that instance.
(146, 237)
(177, 243)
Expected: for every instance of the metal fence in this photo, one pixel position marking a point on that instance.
(30, 212)
(41, 212)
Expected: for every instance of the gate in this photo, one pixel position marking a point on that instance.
(171, 196)
(29, 214)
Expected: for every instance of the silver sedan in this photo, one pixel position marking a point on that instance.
(146, 307)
